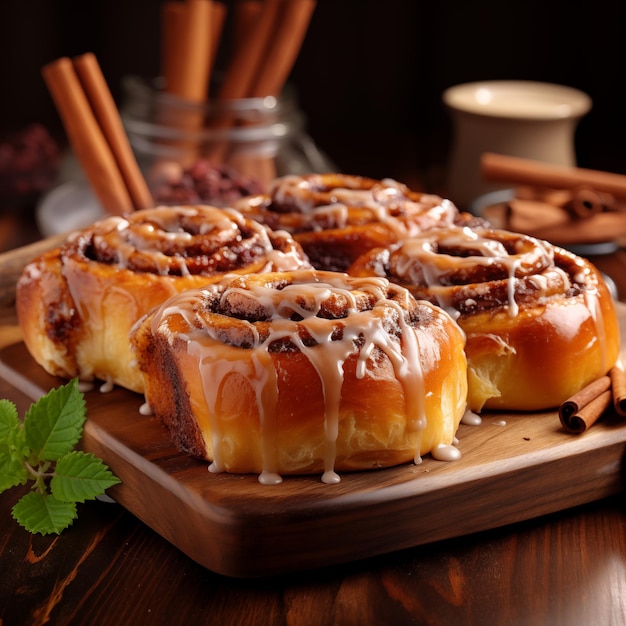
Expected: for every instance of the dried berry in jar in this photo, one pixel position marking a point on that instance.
(201, 182)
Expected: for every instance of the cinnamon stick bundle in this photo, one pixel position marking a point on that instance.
(267, 38)
(585, 408)
(260, 66)
(96, 133)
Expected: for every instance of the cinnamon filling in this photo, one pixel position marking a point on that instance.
(182, 241)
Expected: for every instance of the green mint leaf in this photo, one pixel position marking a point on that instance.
(41, 450)
(12, 470)
(81, 476)
(13, 449)
(9, 420)
(43, 514)
(54, 424)
(12, 435)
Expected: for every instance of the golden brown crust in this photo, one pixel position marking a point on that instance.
(539, 321)
(281, 377)
(77, 304)
(338, 217)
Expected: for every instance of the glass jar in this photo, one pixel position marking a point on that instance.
(253, 140)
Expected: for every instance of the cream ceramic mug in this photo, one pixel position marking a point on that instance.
(533, 120)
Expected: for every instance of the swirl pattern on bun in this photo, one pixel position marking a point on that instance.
(338, 217)
(539, 321)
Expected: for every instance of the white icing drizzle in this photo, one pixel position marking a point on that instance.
(326, 353)
(325, 203)
(445, 452)
(592, 301)
(145, 409)
(471, 419)
(423, 253)
(161, 237)
(107, 386)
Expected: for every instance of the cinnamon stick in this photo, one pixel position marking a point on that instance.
(246, 14)
(584, 408)
(190, 80)
(216, 27)
(248, 57)
(173, 17)
(290, 31)
(86, 137)
(107, 115)
(519, 171)
(245, 62)
(618, 385)
(585, 203)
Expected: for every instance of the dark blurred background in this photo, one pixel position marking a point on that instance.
(371, 72)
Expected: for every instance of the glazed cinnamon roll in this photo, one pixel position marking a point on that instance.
(539, 321)
(338, 217)
(77, 303)
(303, 372)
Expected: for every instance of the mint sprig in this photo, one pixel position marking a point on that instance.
(41, 449)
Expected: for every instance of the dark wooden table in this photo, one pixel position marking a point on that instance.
(109, 568)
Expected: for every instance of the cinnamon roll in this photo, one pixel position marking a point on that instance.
(77, 304)
(303, 372)
(338, 217)
(539, 321)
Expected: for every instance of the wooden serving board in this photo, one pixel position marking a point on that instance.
(513, 467)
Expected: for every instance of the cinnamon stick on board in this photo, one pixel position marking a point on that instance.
(87, 136)
(584, 408)
(618, 385)
(519, 171)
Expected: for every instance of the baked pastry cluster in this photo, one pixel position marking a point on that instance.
(336, 323)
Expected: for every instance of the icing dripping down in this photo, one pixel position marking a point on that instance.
(471, 419)
(107, 386)
(296, 313)
(445, 452)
